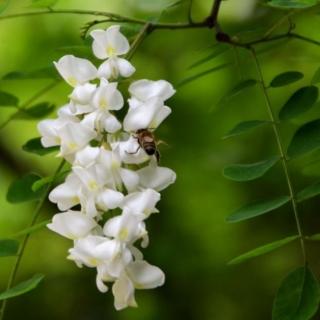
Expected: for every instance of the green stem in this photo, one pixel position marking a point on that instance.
(29, 101)
(282, 152)
(145, 30)
(25, 239)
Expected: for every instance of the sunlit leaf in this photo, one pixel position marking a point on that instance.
(251, 171)
(20, 190)
(298, 296)
(306, 139)
(286, 78)
(22, 287)
(8, 247)
(37, 111)
(257, 208)
(8, 100)
(301, 101)
(244, 126)
(316, 77)
(202, 74)
(34, 146)
(32, 229)
(262, 250)
(309, 192)
(43, 73)
(237, 89)
(292, 4)
(217, 50)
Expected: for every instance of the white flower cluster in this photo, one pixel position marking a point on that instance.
(111, 172)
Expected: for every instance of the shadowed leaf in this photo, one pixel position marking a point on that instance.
(202, 74)
(8, 247)
(301, 101)
(44, 73)
(306, 139)
(32, 229)
(244, 126)
(257, 208)
(298, 296)
(37, 111)
(20, 190)
(34, 146)
(47, 180)
(217, 50)
(22, 287)
(309, 192)
(316, 77)
(262, 250)
(247, 172)
(8, 100)
(286, 78)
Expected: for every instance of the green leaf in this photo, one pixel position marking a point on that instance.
(301, 101)
(286, 78)
(48, 180)
(316, 77)
(43, 73)
(257, 208)
(37, 111)
(217, 50)
(314, 237)
(251, 171)
(20, 189)
(8, 247)
(309, 192)
(22, 287)
(262, 250)
(244, 126)
(202, 74)
(8, 100)
(306, 139)
(32, 229)
(238, 89)
(34, 146)
(298, 296)
(292, 4)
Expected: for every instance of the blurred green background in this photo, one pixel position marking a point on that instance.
(190, 239)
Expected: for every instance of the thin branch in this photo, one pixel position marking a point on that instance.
(213, 17)
(282, 154)
(27, 236)
(112, 17)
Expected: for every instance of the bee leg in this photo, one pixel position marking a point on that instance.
(157, 154)
(134, 152)
(162, 142)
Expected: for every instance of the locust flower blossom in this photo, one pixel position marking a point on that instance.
(113, 185)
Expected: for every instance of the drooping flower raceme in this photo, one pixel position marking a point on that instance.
(104, 202)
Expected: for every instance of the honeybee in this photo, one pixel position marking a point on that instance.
(147, 142)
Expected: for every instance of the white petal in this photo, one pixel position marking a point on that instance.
(82, 94)
(126, 69)
(141, 117)
(111, 123)
(47, 129)
(66, 195)
(162, 114)
(142, 202)
(157, 178)
(87, 156)
(145, 275)
(75, 70)
(117, 40)
(108, 69)
(130, 179)
(109, 199)
(123, 291)
(71, 224)
(147, 89)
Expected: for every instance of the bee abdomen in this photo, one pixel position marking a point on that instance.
(150, 149)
